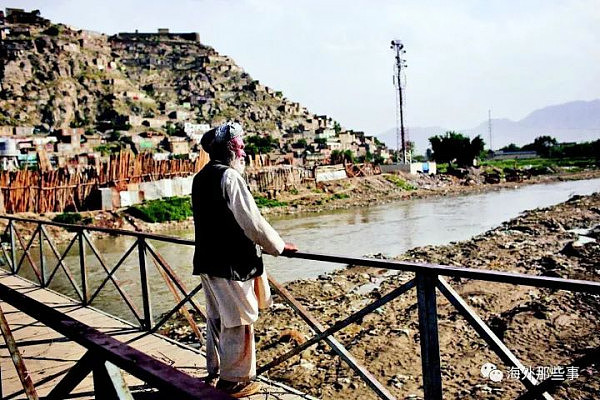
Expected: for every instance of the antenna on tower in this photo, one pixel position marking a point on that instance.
(401, 137)
(490, 128)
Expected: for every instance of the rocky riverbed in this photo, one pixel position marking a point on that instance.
(544, 328)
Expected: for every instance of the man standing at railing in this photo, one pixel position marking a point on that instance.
(230, 237)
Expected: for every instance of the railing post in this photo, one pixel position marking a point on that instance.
(13, 248)
(109, 383)
(428, 336)
(148, 320)
(42, 260)
(82, 267)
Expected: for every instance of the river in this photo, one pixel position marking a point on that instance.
(390, 229)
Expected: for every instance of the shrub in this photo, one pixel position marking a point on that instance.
(169, 209)
(68, 218)
(262, 201)
(399, 182)
(340, 196)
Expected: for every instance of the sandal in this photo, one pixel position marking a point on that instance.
(211, 379)
(239, 389)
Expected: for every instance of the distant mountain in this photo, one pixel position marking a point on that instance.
(574, 115)
(577, 121)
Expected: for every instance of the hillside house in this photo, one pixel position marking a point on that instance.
(324, 121)
(333, 144)
(317, 158)
(20, 16)
(179, 145)
(7, 130)
(71, 136)
(137, 121)
(384, 153)
(324, 133)
(195, 129)
(179, 115)
(91, 141)
(347, 139)
(8, 147)
(23, 130)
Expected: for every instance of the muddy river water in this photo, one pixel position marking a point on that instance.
(389, 229)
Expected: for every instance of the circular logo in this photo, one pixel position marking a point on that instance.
(496, 375)
(486, 369)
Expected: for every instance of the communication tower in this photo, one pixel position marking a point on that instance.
(490, 127)
(401, 134)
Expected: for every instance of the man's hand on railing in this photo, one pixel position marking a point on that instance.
(289, 248)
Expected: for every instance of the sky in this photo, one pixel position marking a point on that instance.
(463, 57)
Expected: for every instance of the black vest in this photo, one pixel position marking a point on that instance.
(222, 248)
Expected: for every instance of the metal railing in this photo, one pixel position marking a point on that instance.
(105, 358)
(427, 278)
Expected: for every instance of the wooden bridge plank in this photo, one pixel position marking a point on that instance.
(48, 363)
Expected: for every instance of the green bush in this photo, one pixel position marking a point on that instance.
(340, 196)
(399, 182)
(68, 218)
(169, 209)
(262, 201)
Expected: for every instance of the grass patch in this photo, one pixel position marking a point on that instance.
(68, 218)
(533, 163)
(399, 182)
(263, 202)
(169, 209)
(338, 196)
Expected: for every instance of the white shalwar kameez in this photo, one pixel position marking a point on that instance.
(232, 306)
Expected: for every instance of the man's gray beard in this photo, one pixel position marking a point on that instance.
(239, 164)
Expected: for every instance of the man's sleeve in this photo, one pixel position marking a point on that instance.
(246, 213)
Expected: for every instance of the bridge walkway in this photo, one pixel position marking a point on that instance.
(48, 355)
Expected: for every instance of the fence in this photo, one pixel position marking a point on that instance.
(278, 178)
(427, 278)
(54, 191)
(104, 357)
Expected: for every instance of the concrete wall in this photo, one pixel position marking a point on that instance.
(330, 173)
(427, 167)
(110, 199)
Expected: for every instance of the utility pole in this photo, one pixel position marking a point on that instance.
(401, 137)
(490, 128)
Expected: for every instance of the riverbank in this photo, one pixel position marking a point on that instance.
(544, 328)
(368, 191)
(327, 196)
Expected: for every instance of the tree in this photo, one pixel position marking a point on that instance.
(300, 144)
(542, 145)
(511, 147)
(337, 127)
(338, 157)
(454, 147)
(174, 129)
(260, 144)
(321, 141)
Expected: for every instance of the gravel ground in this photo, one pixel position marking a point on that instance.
(543, 327)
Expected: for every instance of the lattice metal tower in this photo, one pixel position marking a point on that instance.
(490, 127)
(401, 134)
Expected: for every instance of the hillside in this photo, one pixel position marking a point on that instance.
(55, 76)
